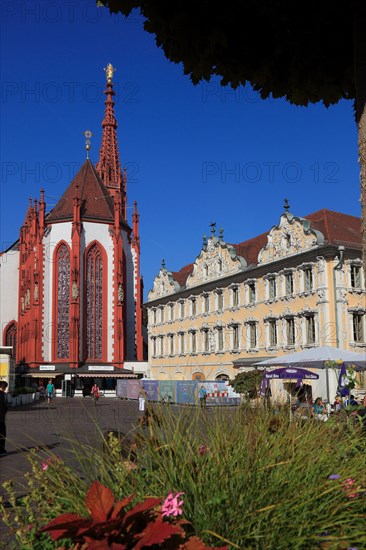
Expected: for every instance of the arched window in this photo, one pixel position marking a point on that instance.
(94, 303)
(11, 338)
(63, 302)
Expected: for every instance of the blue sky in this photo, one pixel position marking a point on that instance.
(194, 154)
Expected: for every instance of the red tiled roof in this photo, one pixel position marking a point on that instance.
(96, 203)
(336, 227)
(182, 275)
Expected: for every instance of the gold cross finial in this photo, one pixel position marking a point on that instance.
(109, 71)
(87, 135)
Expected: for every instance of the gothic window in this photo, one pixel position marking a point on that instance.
(94, 303)
(11, 338)
(235, 296)
(194, 306)
(171, 344)
(193, 341)
(63, 302)
(251, 293)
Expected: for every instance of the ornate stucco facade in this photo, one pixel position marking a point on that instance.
(299, 285)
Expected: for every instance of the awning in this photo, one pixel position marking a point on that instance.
(104, 375)
(43, 374)
(247, 361)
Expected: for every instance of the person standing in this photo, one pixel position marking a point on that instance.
(202, 396)
(50, 390)
(142, 399)
(3, 411)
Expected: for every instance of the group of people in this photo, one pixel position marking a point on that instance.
(321, 411)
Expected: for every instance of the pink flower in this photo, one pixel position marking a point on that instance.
(203, 450)
(348, 488)
(46, 463)
(171, 505)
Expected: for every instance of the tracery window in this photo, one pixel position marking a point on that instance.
(11, 338)
(94, 303)
(63, 302)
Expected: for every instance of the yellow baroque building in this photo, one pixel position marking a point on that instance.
(299, 285)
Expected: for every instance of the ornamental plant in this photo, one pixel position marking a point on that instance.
(112, 525)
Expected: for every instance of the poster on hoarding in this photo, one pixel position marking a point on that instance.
(167, 391)
(121, 389)
(133, 389)
(151, 388)
(186, 391)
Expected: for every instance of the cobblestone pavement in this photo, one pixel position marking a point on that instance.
(66, 419)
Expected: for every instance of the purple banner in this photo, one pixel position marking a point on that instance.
(151, 388)
(121, 390)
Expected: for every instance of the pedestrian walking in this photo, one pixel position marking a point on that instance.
(202, 396)
(50, 390)
(95, 392)
(3, 411)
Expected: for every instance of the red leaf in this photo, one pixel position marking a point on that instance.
(68, 525)
(147, 504)
(99, 501)
(158, 532)
(194, 543)
(120, 506)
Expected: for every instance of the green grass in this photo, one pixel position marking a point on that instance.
(262, 484)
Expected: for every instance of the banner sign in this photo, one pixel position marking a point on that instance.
(133, 389)
(151, 388)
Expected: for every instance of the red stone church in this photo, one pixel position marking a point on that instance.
(71, 289)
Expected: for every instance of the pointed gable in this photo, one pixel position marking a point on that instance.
(96, 203)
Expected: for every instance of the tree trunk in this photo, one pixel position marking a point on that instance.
(359, 16)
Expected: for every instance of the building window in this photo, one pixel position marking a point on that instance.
(181, 309)
(357, 325)
(251, 293)
(272, 332)
(308, 279)
(94, 303)
(171, 344)
(154, 346)
(235, 296)
(289, 284)
(182, 343)
(161, 345)
(194, 307)
(310, 329)
(63, 302)
(220, 300)
(220, 339)
(171, 312)
(355, 276)
(153, 311)
(11, 339)
(272, 290)
(252, 335)
(290, 331)
(193, 341)
(220, 265)
(235, 333)
(206, 340)
(162, 314)
(206, 303)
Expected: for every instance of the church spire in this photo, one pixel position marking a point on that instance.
(108, 167)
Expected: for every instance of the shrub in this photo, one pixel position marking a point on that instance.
(250, 479)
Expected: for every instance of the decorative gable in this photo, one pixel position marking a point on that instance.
(216, 260)
(291, 236)
(164, 284)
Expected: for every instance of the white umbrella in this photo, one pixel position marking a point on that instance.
(317, 358)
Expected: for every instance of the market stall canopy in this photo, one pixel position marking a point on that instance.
(290, 374)
(317, 358)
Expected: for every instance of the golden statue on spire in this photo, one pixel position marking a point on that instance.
(109, 71)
